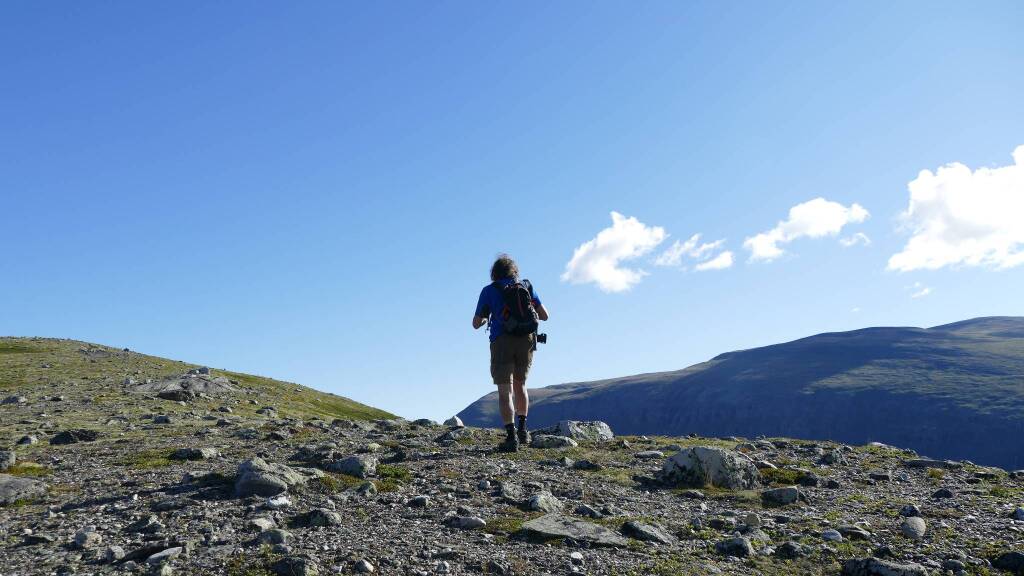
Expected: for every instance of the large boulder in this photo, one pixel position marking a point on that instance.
(704, 465)
(558, 526)
(878, 567)
(14, 488)
(594, 431)
(1012, 562)
(257, 477)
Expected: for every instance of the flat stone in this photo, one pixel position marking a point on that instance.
(74, 436)
(551, 441)
(878, 567)
(165, 555)
(928, 463)
(647, 532)
(14, 488)
(467, 522)
(782, 496)
(558, 526)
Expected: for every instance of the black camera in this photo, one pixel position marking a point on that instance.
(542, 338)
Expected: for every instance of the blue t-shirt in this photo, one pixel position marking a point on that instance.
(491, 303)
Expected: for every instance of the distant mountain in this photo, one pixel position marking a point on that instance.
(952, 391)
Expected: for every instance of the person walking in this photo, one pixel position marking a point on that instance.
(511, 309)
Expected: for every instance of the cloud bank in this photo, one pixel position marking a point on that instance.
(599, 260)
(812, 219)
(957, 217)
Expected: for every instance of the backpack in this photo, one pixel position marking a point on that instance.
(518, 315)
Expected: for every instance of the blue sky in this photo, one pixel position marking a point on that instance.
(316, 192)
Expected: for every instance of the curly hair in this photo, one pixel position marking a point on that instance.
(504, 267)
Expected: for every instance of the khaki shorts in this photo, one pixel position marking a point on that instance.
(511, 356)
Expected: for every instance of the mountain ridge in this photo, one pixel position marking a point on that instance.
(954, 390)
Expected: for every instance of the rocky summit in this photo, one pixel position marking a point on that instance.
(255, 477)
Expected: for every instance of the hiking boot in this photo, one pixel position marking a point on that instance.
(523, 436)
(511, 444)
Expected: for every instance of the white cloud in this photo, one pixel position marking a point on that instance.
(855, 239)
(812, 219)
(599, 260)
(959, 217)
(720, 262)
(673, 256)
(855, 310)
(919, 290)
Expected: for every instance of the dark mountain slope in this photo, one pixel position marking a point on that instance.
(952, 391)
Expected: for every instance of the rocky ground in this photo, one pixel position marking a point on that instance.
(252, 477)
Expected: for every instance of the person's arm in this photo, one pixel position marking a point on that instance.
(542, 312)
(482, 310)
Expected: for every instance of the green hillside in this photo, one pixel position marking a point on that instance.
(99, 382)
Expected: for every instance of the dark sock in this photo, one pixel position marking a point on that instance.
(522, 422)
(511, 429)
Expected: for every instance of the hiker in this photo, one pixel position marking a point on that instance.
(511, 309)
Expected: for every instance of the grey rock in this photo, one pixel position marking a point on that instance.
(1010, 561)
(549, 441)
(14, 400)
(27, 440)
(853, 532)
(165, 555)
(791, 550)
(421, 501)
(647, 532)
(194, 454)
(908, 510)
(113, 554)
(14, 488)
(257, 477)
(7, 460)
(942, 493)
(914, 527)
(275, 536)
(558, 526)
(594, 431)
(261, 524)
(358, 465)
(927, 463)
(147, 525)
(295, 566)
(879, 567)
(831, 535)
(782, 496)
(467, 522)
(737, 546)
(705, 465)
(454, 422)
(544, 502)
(87, 538)
(320, 517)
(1018, 514)
(74, 436)
(162, 419)
(834, 457)
(364, 567)
(649, 455)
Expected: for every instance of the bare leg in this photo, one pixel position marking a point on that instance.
(505, 402)
(522, 398)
